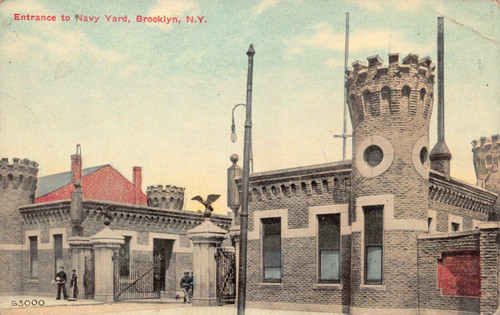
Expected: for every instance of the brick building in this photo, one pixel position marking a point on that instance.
(388, 232)
(35, 229)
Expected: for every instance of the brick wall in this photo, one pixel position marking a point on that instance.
(430, 249)
(490, 265)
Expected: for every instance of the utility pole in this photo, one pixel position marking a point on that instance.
(344, 134)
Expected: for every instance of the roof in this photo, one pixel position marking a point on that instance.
(50, 183)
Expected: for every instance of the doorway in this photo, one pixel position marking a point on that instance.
(164, 248)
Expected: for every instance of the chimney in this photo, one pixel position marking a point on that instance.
(76, 166)
(440, 155)
(76, 206)
(137, 182)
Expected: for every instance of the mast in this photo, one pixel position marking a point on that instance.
(344, 134)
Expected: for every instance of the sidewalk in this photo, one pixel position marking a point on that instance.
(88, 307)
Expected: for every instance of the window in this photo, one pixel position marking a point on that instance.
(374, 232)
(124, 254)
(33, 257)
(329, 248)
(455, 227)
(429, 225)
(271, 248)
(58, 252)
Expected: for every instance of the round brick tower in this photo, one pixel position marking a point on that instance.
(487, 164)
(170, 197)
(390, 108)
(18, 182)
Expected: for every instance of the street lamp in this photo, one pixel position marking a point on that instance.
(242, 268)
(234, 137)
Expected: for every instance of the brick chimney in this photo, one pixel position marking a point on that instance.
(76, 166)
(137, 182)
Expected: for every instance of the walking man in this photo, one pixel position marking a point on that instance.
(61, 283)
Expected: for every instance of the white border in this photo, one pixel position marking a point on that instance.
(364, 168)
(422, 169)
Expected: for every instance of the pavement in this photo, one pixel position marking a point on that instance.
(12, 305)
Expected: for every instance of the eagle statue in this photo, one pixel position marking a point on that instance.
(208, 203)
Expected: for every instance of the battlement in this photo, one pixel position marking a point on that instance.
(397, 89)
(168, 197)
(486, 158)
(19, 173)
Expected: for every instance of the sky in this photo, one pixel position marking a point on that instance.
(160, 95)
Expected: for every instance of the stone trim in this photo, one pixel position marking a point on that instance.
(50, 244)
(310, 231)
(387, 149)
(447, 234)
(328, 286)
(422, 169)
(134, 246)
(455, 219)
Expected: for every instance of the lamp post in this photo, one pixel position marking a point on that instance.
(242, 268)
(234, 137)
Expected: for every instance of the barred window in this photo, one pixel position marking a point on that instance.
(33, 257)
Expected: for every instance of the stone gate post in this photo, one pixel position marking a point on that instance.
(105, 243)
(205, 238)
(80, 248)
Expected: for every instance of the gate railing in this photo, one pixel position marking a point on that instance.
(89, 276)
(226, 276)
(135, 279)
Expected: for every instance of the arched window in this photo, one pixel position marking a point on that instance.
(422, 97)
(367, 101)
(355, 108)
(386, 101)
(405, 97)
(325, 185)
(293, 189)
(314, 187)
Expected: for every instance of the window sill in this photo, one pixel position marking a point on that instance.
(328, 286)
(373, 287)
(33, 281)
(271, 284)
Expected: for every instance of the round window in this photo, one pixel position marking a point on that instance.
(424, 154)
(373, 155)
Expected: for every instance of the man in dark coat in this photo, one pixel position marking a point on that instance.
(61, 283)
(73, 285)
(186, 287)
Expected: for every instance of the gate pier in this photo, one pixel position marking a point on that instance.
(80, 249)
(105, 243)
(206, 237)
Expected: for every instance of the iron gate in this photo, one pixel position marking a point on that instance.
(89, 276)
(226, 276)
(135, 278)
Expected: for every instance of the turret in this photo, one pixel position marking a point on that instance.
(18, 181)
(390, 107)
(168, 197)
(486, 162)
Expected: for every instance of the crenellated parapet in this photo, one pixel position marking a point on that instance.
(486, 157)
(399, 90)
(168, 197)
(18, 175)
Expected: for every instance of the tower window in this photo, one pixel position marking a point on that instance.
(424, 155)
(373, 155)
(329, 247)
(455, 227)
(33, 257)
(374, 232)
(367, 101)
(271, 249)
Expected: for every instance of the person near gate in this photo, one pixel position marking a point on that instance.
(73, 285)
(191, 286)
(186, 287)
(61, 283)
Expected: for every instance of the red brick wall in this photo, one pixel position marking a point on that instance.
(430, 252)
(105, 184)
(459, 273)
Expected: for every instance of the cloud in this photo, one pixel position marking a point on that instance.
(265, 4)
(171, 8)
(321, 36)
(380, 5)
